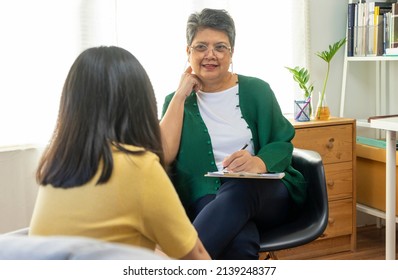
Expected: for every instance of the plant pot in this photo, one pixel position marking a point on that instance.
(302, 110)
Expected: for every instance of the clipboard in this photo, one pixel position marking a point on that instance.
(245, 175)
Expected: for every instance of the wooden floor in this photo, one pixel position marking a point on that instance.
(370, 246)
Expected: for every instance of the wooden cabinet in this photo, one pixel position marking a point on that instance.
(335, 141)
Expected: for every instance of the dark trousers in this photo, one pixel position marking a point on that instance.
(228, 222)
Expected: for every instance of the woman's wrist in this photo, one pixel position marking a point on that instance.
(260, 164)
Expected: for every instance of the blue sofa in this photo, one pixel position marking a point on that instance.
(17, 245)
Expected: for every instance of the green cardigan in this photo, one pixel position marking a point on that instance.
(272, 134)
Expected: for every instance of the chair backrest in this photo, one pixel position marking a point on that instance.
(313, 219)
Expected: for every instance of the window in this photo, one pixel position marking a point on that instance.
(44, 38)
(40, 39)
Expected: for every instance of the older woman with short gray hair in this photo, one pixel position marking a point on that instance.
(218, 120)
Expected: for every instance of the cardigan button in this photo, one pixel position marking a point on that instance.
(212, 162)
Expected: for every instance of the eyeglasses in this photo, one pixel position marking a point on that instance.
(219, 50)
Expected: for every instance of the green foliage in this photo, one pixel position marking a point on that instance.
(329, 54)
(302, 77)
(327, 57)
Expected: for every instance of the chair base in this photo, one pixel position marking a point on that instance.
(267, 256)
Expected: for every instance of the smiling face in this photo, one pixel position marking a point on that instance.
(210, 56)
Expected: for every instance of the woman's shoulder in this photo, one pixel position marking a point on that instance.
(250, 80)
(131, 153)
(128, 148)
(254, 87)
(250, 83)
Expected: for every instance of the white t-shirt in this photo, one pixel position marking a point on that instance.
(228, 130)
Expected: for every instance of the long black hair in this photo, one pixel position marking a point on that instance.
(107, 99)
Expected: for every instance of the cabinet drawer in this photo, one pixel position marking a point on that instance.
(339, 180)
(333, 143)
(340, 219)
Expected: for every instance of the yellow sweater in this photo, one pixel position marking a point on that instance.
(137, 206)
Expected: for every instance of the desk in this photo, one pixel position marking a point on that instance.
(391, 127)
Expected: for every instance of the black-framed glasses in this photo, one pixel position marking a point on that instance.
(219, 50)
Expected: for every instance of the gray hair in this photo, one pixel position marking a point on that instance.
(211, 18)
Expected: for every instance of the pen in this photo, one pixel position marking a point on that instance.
(244, 147)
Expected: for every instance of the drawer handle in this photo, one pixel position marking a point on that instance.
(329, 145)
(331, 221)
(330, 183)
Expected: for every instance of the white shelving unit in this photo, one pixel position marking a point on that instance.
(381, 94)
(381, 78)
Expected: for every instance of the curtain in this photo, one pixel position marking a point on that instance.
(39, 41)
(42, 38)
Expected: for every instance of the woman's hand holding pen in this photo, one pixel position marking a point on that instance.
(189, 82)
(243, 161)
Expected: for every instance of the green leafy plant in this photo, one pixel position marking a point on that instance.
(302, 77)
(327, 56)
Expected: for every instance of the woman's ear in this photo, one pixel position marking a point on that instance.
(188, 50)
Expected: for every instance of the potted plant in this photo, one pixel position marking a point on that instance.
(323, 112)
(302, 108)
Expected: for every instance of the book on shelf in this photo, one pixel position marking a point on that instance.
(360, 29)
(384, 7)
(386, 32)
(378, 33)
(378, 143)
(394, 26)
(371, 28)
(391, 52)
(382, 117)
(350, 29)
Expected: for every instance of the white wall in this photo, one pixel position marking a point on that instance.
(327, 26)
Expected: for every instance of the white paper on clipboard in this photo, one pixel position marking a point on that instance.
(246, 175)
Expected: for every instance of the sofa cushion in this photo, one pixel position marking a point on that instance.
(19, 247)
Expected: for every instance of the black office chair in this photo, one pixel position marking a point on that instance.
(313, 219)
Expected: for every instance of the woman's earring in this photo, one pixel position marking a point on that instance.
(232, 67)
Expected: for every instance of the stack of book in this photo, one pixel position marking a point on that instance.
(372, 29)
